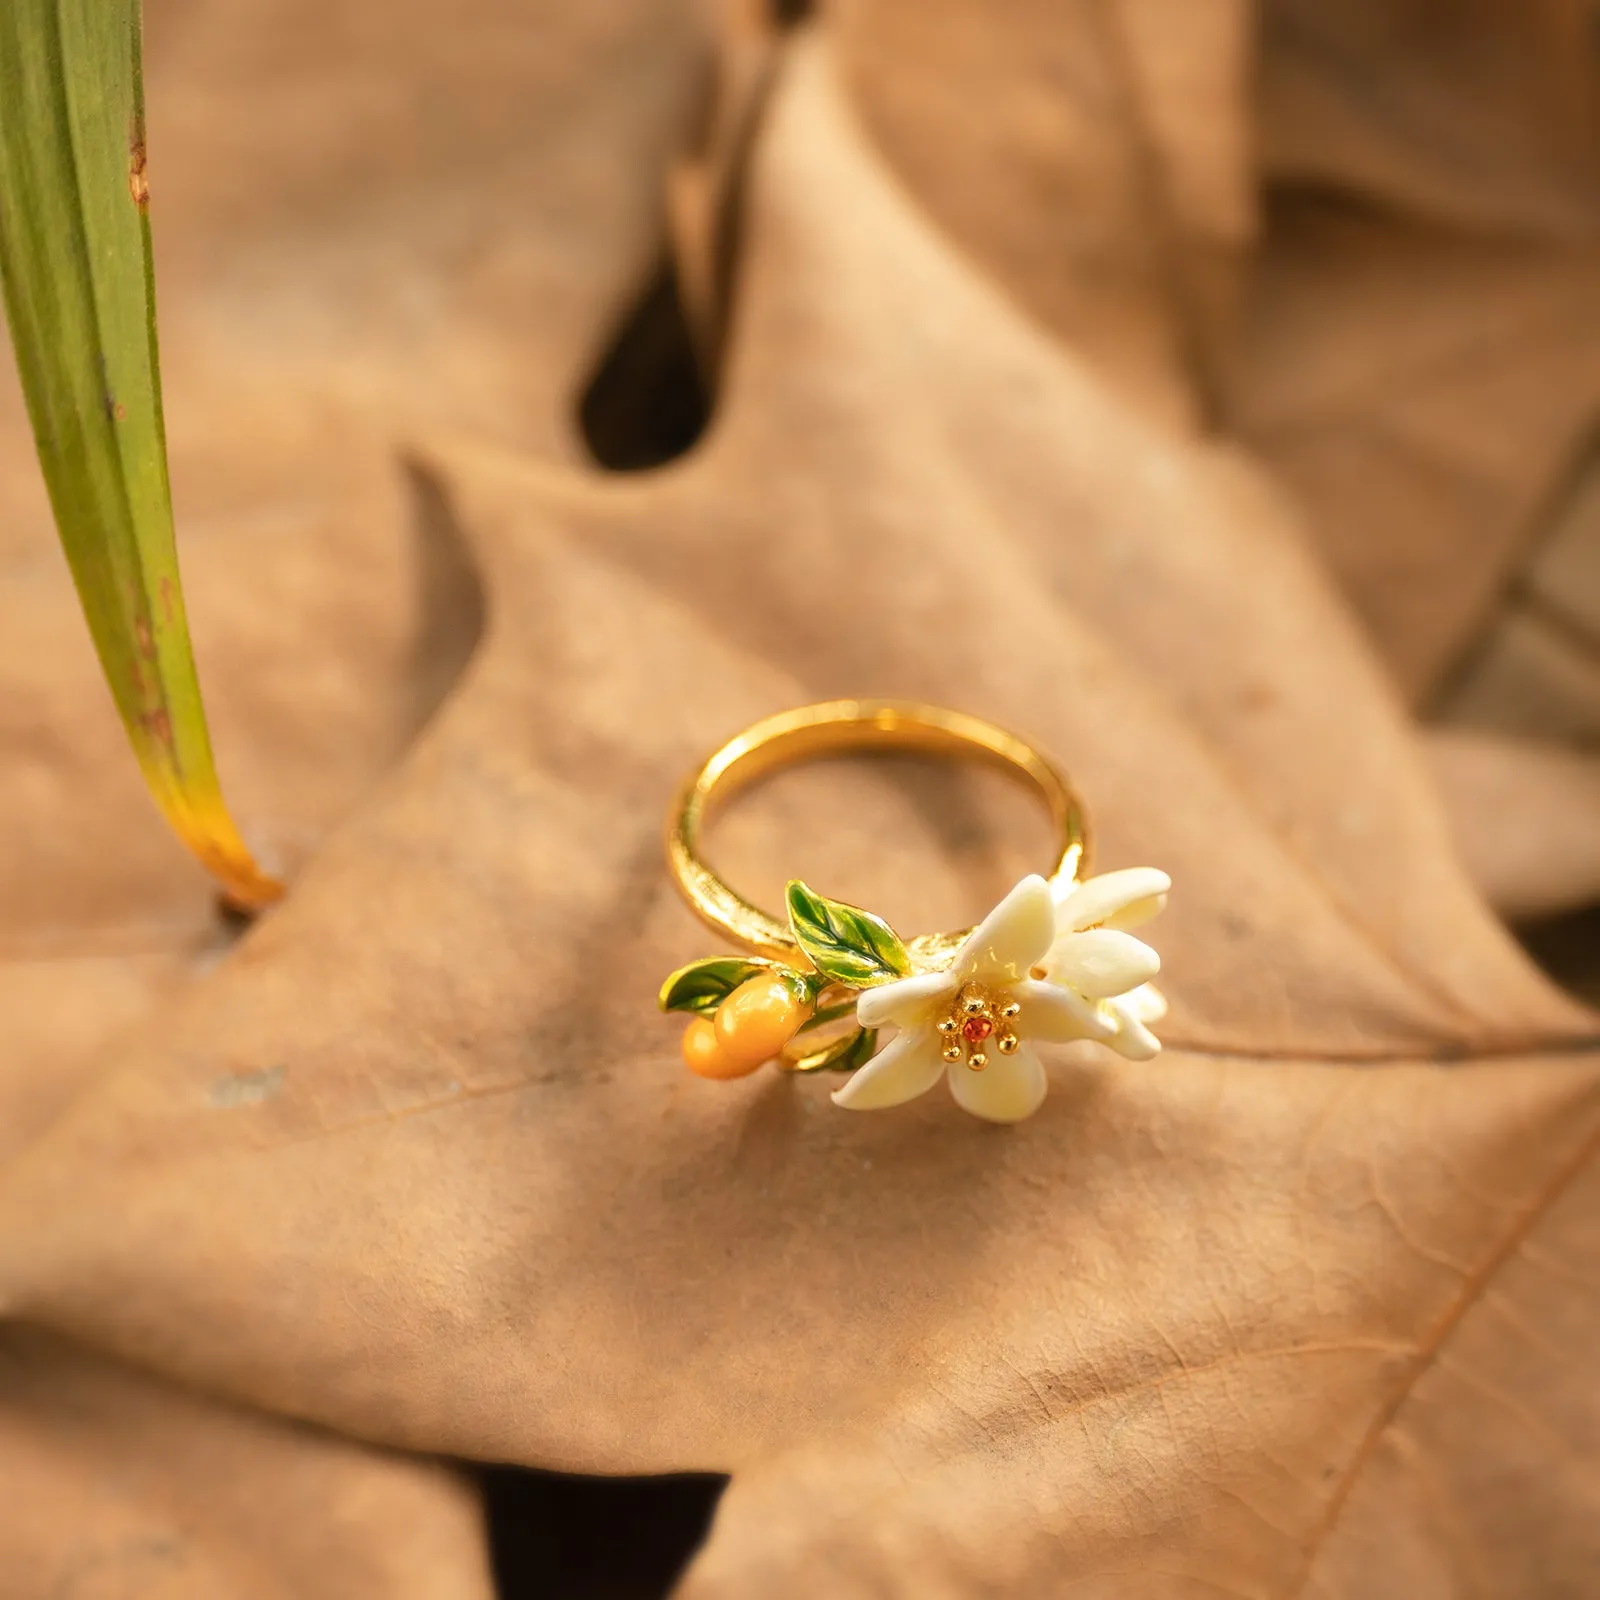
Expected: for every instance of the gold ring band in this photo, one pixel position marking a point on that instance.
(832, 728)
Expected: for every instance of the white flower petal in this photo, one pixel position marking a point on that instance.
(1101, 962)
(1055, 1014)
(1007, 1090)
(905, 1002)
(1132, 1039)
(1012, 938)
(907, 1066)
(1122, 899)
(1147, 1003)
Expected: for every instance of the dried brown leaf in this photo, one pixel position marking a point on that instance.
(308, 317)
(122, 1486)
(1479, 115)
(1092, 159)
(1423, 394)
(1526, 816)
(1307, 1291)
(1536, 669)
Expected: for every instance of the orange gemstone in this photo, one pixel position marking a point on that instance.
(976, 1029)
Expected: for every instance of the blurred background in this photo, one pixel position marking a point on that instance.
(1356, 245)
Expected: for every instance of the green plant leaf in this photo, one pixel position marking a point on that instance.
(79, 289)
(844, 1054)
(845, 943)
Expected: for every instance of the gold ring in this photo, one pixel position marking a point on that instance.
(1053, 962)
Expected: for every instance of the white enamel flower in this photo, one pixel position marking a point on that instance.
(1093, 951)
(977, 1021)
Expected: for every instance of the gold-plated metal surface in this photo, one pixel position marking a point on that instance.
(833, 728)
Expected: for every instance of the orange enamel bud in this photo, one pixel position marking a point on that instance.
(703, 1055)
(758, 1019)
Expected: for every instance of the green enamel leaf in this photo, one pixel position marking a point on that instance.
(845, 944)
(827, 1015)
(702, 986)
(79, 293)
(844, 1054)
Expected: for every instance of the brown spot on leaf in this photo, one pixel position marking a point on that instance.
(146, 640)
(246, 1089)
(138, 184)
(166, 600)
(159, 725)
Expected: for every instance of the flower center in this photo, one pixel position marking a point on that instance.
(977, 1012)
